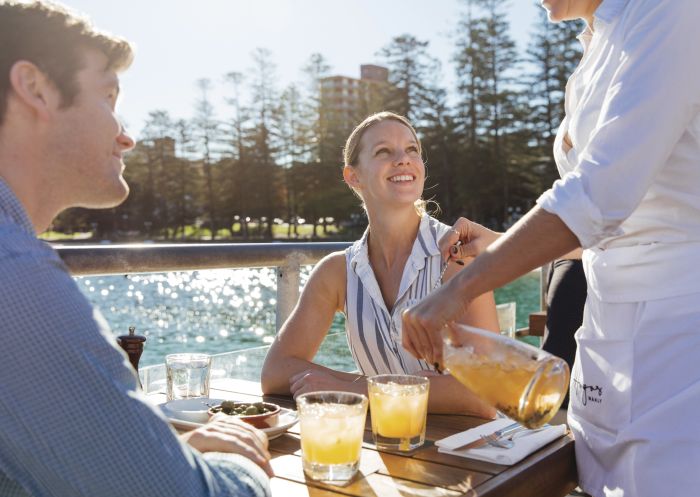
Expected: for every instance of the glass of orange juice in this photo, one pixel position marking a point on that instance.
(399, 406)
(331, 426)
(525, 383)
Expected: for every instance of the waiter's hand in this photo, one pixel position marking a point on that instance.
(422, 323)
(474, 239)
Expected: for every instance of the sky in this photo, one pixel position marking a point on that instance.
(181, 41)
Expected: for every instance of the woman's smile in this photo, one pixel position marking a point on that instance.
(402, 178)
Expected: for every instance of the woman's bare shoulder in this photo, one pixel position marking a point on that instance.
(329, 278)
(332, 265)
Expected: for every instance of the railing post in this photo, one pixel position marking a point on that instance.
(288, 280)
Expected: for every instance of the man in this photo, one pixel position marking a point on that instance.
(629, 154)
(72, 422)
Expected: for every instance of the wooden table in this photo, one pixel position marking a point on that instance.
(551, 471)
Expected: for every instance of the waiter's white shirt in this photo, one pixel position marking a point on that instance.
(632, 178)
(630, 192)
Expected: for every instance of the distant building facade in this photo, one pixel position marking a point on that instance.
(345, 101)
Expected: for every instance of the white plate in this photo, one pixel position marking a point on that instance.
(186, 415)
(193, 410)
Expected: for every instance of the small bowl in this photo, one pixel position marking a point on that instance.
(266, 420)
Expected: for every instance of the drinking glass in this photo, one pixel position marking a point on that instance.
(331, 426)
(187, 375)
(399, 406)
(506, 318)
(525, 383)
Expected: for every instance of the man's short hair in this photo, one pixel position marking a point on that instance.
(54, 39)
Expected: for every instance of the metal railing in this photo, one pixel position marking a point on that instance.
(287, 258)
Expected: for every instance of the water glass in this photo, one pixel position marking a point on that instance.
(399, 406)
(187, 375)
(506, 318)
(525, 383)
(331, 426)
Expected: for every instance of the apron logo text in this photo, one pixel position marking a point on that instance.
(587, 392)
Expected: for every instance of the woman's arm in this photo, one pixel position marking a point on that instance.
(303, 332)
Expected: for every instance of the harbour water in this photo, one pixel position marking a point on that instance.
(220, 311)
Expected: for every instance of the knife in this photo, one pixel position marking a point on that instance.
(480, 442)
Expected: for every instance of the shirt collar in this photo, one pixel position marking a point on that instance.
(424, 245)
(11, 207)
(585, 37)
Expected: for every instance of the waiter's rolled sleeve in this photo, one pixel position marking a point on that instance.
(568, 200)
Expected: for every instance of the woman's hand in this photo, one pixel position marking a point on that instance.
(224, 433)
(474, 239)
(316, 381)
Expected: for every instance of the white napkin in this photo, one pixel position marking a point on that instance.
(526, 442)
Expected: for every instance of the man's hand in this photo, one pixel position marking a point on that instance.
(224, 433)
(316, 381)
(423, 322)
(474, 239)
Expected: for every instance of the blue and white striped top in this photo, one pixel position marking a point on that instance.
(374, 333)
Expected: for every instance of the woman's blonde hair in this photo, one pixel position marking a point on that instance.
(351, 151)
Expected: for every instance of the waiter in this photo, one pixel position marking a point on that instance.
(629, 156)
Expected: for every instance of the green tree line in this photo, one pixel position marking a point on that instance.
(273, 155)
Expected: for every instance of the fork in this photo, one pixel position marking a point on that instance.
(484, 440)
(505, 441)
(499, 439)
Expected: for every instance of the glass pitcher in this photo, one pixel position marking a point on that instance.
(525, 383)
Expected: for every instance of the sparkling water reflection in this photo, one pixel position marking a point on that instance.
(219, 311)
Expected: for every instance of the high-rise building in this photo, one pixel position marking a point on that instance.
(345, 101)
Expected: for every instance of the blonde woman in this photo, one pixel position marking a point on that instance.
(396, 263)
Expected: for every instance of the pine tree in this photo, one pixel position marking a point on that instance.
(319, 189)
(486, 59)
(317, 130)
(263, 137)
(553, 54)
(411, 70)
(441, 150)
(207, 130)
(237, 175)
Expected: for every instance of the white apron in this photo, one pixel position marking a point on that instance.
(637, 423)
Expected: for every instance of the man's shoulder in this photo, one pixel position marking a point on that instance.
(18, 247)
(31, 266)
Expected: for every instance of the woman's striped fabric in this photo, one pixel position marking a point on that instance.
(374, 333)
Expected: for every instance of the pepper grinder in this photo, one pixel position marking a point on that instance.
(133, 346)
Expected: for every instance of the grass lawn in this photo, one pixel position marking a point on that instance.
(192, 232)
(55, 236)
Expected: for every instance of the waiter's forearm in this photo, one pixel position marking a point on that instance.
(533, 241)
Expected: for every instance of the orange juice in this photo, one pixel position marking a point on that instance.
(331, 426)
(399, 405)
(399, 416)
(528, 391)
(332, 437)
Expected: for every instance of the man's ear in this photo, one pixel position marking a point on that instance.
(33, 89)
(350, 177)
